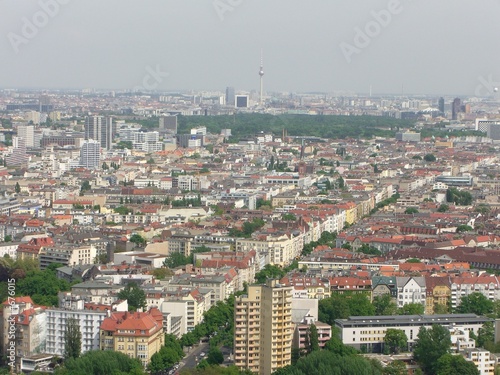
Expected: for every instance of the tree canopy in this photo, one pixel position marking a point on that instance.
(341, 306)
(395, 340)
(135, 296)
(430, 345)
(475, 303)
(455, 364)
(101, 362)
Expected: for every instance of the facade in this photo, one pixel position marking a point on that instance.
(241, 101)
(482, 358)
(368, 332)
(100, 128)
(67, 255)
(410, 290)
(168, 124)
(408, 137)
(90, 154)
(89, 322)
(137, 335)
(27, 132)
(263, 328)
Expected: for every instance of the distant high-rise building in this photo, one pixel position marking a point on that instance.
(90, 154)
(18, 155)
(441, 105)
(45, 105)
(168, 124)
(241, 101)
(230, 94)
(456, 108)
(100, 128)
(263, 330)
(27, 132)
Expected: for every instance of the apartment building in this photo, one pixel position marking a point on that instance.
(263, 328)
(368, 332)
(410, 290)
(138, 335)
(88, 320)
(485, 284)
(280, 249)
(482, 358)
(68, 255)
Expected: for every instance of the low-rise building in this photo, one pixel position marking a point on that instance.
(368, 332)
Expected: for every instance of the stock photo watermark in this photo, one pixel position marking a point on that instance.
(153, 78)
(486, 86)
(224, 6)
(31, 26)
(11, 324)
(364, 36)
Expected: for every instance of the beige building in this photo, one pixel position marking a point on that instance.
(138, 335)
(263, 328)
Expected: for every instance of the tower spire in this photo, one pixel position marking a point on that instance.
(261, 74)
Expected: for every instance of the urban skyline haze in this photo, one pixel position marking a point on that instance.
(394, 46)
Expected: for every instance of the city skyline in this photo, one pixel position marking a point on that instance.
(391, 46)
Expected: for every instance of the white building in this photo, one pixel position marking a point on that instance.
(89, 322)
(90, 154)
(27, 132)
(411, 290)
(369, 331)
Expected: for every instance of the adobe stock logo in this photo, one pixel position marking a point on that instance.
(363, 37)
(152, 79)
(486, 86)
(31, 26)
(223, 6)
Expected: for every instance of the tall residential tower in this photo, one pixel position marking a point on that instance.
(263, 328)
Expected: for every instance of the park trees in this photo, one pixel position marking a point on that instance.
(431, 344)
(395, 340)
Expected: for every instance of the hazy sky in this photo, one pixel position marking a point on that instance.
(428, 46)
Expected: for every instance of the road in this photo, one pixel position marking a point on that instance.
(190, 360)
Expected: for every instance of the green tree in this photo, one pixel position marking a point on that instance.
(289, 217)
(455, 364)
(313, 338)
(384, 305)
(396, 340)
(72, 339)
(443, 208)
(430, 158)
(215, 356)
(431, 344)
(486, 336)
(7, 238)
(341, 306)
(17, 188)
(101, 362)
(412, 309)
(464, 228)
(411, 210)
(176, 259)
(396, 368)
(122, 210)
(135, 296)
(270, 271)
(475, 303)
(137, 239)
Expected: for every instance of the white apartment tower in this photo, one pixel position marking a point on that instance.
(90, 154)
(27, 132)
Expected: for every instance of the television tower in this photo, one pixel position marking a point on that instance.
(261, 74)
